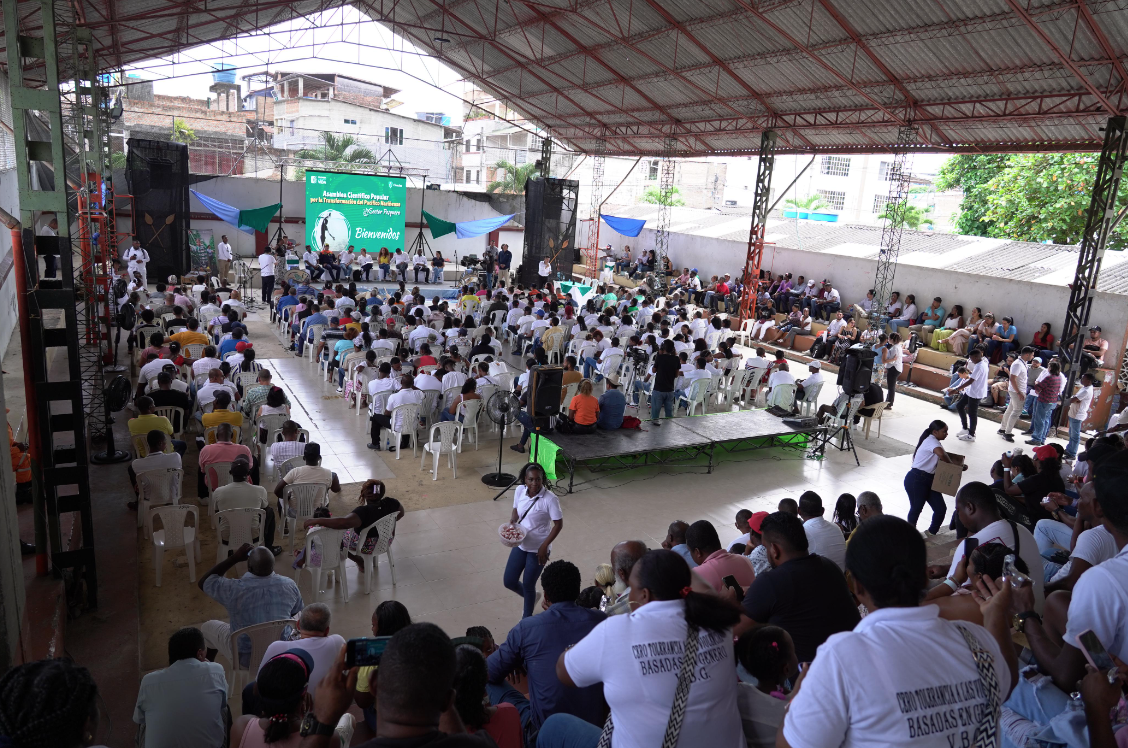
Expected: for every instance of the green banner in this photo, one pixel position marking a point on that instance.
(359, 209)
(438, 226)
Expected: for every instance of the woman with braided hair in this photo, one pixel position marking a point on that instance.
(48, 704)
(283, 701)
(373, 504)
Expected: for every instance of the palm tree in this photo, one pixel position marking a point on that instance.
(514, 178)
(654, 196)
(339, 148)
(810, 202)
(913, 218)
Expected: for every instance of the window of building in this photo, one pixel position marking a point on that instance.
(393, 136)
(834, 199)
(350, 121)
(477, 176)
(835, 166)
(468, 175)
(466, 146)
(655, 166)
(879, 203)
(291, 127)
(883, 169)
(478, 144)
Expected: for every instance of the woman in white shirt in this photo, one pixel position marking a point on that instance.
(904, 676)
(918, 481)
(637, 657)
(537, 510)
(891, 359)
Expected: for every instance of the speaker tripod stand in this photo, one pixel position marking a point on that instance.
(840, 431)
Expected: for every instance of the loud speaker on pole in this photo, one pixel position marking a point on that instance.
(545, 384)
(857, 369)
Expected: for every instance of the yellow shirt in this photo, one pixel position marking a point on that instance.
(354, 326)
(364, 678)
(189, 337)
(142, 425)
(217, 417)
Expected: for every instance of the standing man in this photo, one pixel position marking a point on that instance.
(1017, 380)
(266, 272)
(667, 367)
(489, 264)
(972, 390)
(136, 258)
(504, 262)
(51, 228)
(1078, 412)
(223, 258)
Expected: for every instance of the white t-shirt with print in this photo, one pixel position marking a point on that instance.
(858, 691)
(637, 657)
(1100, 603)
(1080, 410)
(539, 514)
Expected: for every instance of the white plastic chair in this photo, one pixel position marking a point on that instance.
(241, 528)
(385, 527)
(217, 475)
(262, 635)
(782, 395)
(694, 397)
(332, 555)
(878, 410)
(157, 488)
(303, 499)
(409, 423)
(570, 391)
(732, 390)
(176, 416)
(194, 351)
(273, 425)
(209, 435)
(313, 337)
(175, 532)
(469, 410)
(810, 399)
(449, 393)
(288, 465)
(447, 443)
(752, 385)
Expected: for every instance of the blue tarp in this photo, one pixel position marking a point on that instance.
(468, 229)
(625, 226)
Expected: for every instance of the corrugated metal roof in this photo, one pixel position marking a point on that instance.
(827, 75)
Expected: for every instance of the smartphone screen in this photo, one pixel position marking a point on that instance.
(1094, 651)
(365, 652)
(730, 581)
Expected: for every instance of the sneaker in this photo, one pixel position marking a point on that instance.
(374, 446)
(276, 550)
(966, 437)
(1000, 431)
(340, 390)
(1028, 432)
(1035, 442)
(963, 432)
(1008, 437)
(517, 448)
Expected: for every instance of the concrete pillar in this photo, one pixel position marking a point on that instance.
(300, 87)
(12, 598)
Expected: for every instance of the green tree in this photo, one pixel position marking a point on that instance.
(654, 196)
(118, 160)
(513, 177)
(914, 217)
(1045, 196)
(340, 149)
(971, 175)
(181, 132)
(813, 201)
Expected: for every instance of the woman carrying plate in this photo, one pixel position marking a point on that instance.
(537, 511)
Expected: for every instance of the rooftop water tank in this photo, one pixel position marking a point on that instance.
(224, 72)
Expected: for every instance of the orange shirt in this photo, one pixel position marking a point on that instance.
(586, 407)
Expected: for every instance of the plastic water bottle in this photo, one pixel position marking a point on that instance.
(1011, 573)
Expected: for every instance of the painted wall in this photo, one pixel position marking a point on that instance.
(253, 193)
(1030, 303)
(9, 315)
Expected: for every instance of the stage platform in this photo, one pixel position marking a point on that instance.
(680, 443)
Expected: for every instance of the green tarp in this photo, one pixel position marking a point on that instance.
(545, 451)
(438, 226)
(258, 218)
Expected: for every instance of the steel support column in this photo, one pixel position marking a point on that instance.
(665, 197)
(760, 204)
(1099, 221)
(55, 405)
(891, 229)
(591, 253)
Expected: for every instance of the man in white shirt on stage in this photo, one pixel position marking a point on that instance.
(223, 258)
(136, 258)
(267, 262)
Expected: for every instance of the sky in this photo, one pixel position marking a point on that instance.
(341, 40)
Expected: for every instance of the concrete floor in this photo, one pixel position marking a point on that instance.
(448, 561)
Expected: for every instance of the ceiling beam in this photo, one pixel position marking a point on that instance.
(1065, 59)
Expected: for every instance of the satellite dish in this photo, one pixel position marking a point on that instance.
(502, 409)
(116, 395)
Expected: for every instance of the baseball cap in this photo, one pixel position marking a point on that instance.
(815, 364)
(242, 345)
(1097, 328)
(1045, 452)
(756, 521)
(355, 315)
(811, 282)
(539, 312)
